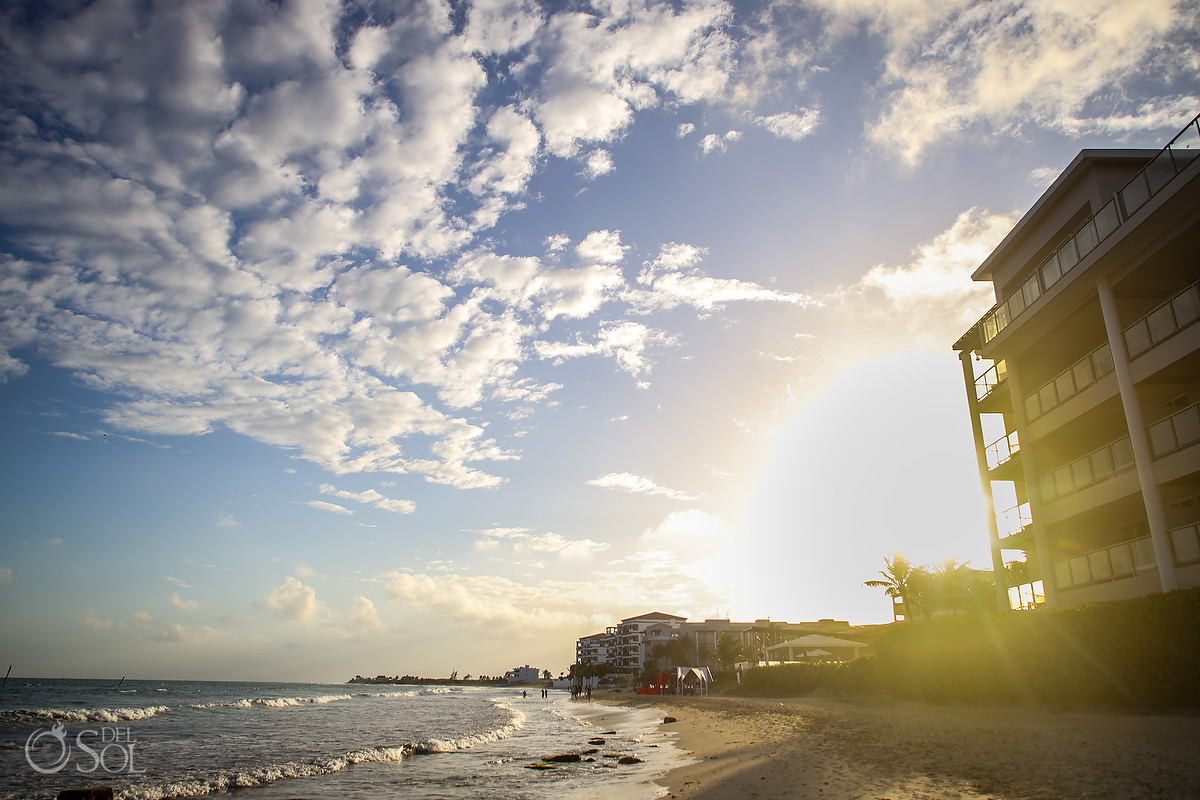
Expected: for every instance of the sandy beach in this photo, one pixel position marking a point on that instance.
(808, 747)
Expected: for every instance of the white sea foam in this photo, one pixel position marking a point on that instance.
(260, 776)
(94, 714)
(515, 723)
(275, 702)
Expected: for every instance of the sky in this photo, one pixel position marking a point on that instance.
(420, 337)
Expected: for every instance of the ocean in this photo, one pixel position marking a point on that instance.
(189, 739)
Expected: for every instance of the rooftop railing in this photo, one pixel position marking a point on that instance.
(1156, 175)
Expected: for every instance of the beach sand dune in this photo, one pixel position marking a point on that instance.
(810, 748)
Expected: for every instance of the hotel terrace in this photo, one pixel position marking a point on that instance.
(1083, 382)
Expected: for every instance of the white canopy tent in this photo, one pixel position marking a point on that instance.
(692, 678)
(817, 646)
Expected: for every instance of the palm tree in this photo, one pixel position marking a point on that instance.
(729, 650)
(902, 582)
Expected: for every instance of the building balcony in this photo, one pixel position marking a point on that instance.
(1152, 179)
(1001, 455)
(1175, 432)
(1074, 379)
(1097, 466)
(992, 384)
(1124, 560)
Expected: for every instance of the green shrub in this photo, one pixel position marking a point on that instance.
(1132, 654)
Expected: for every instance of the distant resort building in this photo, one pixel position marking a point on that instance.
(525, 674)
(1083, 383)
(637, 642)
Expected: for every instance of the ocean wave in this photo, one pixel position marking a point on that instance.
(274, 702)
(515, 722)
(261, 776)
(89, 714)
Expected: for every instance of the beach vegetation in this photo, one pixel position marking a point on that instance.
(923, 591)
(1138, 654)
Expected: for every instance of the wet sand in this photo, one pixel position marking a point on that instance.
(808, 748)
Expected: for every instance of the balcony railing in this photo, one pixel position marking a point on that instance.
(1186, 543)
(1164, 322)
(1002, 450)
(1159, 172)
(1070, 382)
(1013, 520)
(1098, 465)
(986, 383)
(1176, 431)
(1122, 560)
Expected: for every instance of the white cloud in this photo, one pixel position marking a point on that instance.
(176, 581)
(637, 484)
(627, 343)
(952, 66)
(363, 616)
(5, 575)
(304, 570)
(684, 130)
(932, 300)
(787, 125)
(183, 605)
(333, 508)
(598, 162)
(601, 247)
(296, 602)
(54, 542)
(95, 622)
(671, 280)
(180, 634)
(372, 498)
(524, 540)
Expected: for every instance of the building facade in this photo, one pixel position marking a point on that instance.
(1083, 382)
(629, 647)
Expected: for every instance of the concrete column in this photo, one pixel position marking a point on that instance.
(1041, 540)
(985, 482)
(1143, 456)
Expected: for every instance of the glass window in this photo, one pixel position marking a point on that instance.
(1064, 385)
(1081, 571)
(1187, 306)
(1047, 397)
(1122, 450)
(1033, 409)
(1102, 466)
(1135, 194)
(1062, 574)
(1050, 271)
(1187, 547)
(989, 327)
(1162, 437)
(1047, 486)
(1143, 554)
(1107, 220)
(1098, 563)
(1187, 425)
(1102, 362)
(1016, 304)
(1137, 338)
(1063, 481)
(1082, 373)
(1160, 171)
(1086, 239)
(1067, 257)
(1186, 145)
(1161, 323)
(1031, 290)
(1081, 472)
(1002, 317)
(1121, 558)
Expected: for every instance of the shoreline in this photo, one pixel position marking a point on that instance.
(818, 747)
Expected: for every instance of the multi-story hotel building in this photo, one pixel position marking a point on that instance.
(628, 647)
(1084, 382)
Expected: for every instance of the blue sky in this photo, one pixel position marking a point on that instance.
(410, 337)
